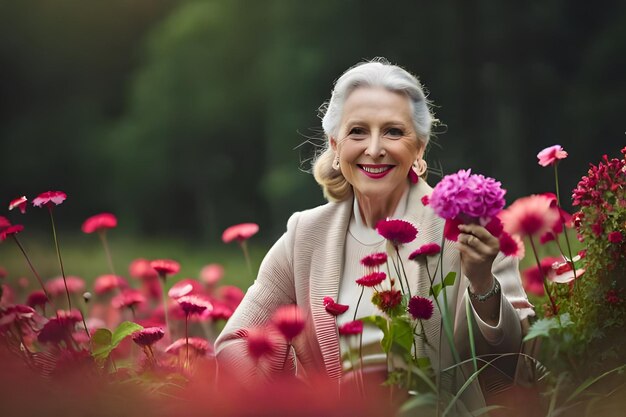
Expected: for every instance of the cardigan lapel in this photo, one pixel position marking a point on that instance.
(326, 267)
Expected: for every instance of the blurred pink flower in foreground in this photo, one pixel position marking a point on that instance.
(140, 268)
(10, 231)
(56, 286)
(198, 345)
(184, 287)
(529, 216)
(165, 266)
(259, 343)
(240, 232)
(532, 277)
(19, 203)
(211, 273)
(99, 222)
(289, 321)
(109, 282)
(551, 155)
(49, 198)
(128, 298)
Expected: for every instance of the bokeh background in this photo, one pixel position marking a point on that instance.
(184, 117)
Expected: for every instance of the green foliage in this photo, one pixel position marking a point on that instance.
(448, 281)
(104, 341)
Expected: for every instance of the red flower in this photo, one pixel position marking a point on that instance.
(4, 223)
(56, 286)
(165, 267)
(615, 237)
(289, 321)
(551, 155)
(425, 200)
(184, 287)
(193, 305)
(334, 308)
(108, 282)
(221, 311)
(495, 227)
(140, 268)
(451, 229)
(374, 259)
(36, 298)
(148, 336)
(511, 245)
(128, 298)
(200, 346)
(240, 232)
(99, 222)
(420, 308)
(562, 272)
(387, 300)
(428, 249)
(10, 230)
(371, 280)
(259, 344)
(231, 295)
(19, 203)
(396, 231)
(529, 216)
(59, 328)
(351, 328)
(49, 198)
(613, 297)
(211, 274)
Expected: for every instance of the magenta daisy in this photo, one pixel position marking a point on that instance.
(289, 321)
(551, 155)
(148, 336)
(334, 308)
(420, 308)
(374, 259)
(397, 231)
(19, 203)
(371, 280)
(428, 249)
(351, 328)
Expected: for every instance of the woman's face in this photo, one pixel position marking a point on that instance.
(376, 142)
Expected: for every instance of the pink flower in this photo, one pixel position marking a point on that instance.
(165, 267)
(240, 232)
(351, 328)
(184, 287)
(375, 259)
(551, 155)
(192, 304)
(211, 274)
(371, 280)
(109, 282)
(59, 328)
(529, 216)
(37, 298)
(49, 198)
(10, 231)
(4, 223)
(471, 196)
(56, 286)
(128, 298)
(511, 245)
(420, 308)
(200, 346)
(148, 336)
(613, 297)
(231, 295)
(396, 231)
(425, 200)
(19, 203)
(259, 344)
(562, 272)
(140, 268)
(532, 276)
(387, 300)
(99, 222)
(615, 237)
(289, 321)
(334, 308)
(428, 249)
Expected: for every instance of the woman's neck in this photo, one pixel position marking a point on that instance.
(376, 208)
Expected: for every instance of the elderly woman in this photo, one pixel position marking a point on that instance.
(377, 125)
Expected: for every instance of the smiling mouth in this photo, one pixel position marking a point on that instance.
(376, 171)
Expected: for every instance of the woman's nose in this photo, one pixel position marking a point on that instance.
(375, 147)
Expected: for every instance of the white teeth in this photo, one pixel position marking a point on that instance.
(374, 170)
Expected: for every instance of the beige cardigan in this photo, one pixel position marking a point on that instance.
(304, 266)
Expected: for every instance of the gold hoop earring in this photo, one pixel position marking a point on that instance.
(421, 167)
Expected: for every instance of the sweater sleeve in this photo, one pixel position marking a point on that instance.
(273, 287)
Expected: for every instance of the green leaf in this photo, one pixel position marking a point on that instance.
(101, 343)
(565, 320)
(541, 328)
(122, 331)
(426, 402)
(402, 333)
(435, 290)
(448, 281)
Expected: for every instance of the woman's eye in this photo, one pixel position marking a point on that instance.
(395, 132)
(357, 131)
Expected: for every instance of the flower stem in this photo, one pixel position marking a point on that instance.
(408, 288)
(246, 255)
(186, 341)
(103, 239)
(543, 276)
(164, 297)
(32, 268)
(56, 244)
(558, 204)
(358, 302)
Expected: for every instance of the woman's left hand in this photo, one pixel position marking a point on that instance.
(478, 250)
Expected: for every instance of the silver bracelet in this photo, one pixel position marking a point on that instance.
(495, 290)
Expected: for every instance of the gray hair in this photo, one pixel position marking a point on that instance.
(376, 73)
